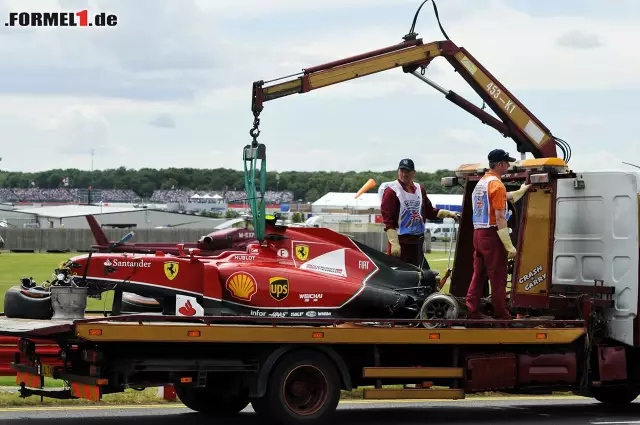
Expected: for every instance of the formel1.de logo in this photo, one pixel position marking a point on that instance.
(61, 19)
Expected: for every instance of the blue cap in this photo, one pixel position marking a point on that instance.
(406, 164)
(498, 155)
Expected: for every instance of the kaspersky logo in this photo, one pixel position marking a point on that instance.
(83, 18)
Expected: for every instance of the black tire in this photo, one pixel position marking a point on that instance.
(615, 396)
(321, 391)
(211, 402)
(20, 306)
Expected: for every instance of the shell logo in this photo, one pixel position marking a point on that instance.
(242, 286)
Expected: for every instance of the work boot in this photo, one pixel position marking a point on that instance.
(514, 322)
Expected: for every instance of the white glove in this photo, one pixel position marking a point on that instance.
(506, 241)
(448, 214)
(517, 194)
(392, 235)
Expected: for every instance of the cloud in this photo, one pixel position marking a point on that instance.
(579, 40)
(535, 62)
(64, 91)
(600, 160)
(103, 82)
(249, 9)
(77, 131)
(160, 50)
(165, 50)
(163, 121)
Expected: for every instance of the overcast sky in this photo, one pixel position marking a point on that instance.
(170, 86)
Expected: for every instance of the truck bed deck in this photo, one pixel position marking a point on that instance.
(159, 328)
(33, 328)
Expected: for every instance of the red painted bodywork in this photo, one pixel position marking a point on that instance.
(211, 244)
(507, 371)
(48, 350)
(490, 372)
(308, 261)
(612, 363)
(551, 368)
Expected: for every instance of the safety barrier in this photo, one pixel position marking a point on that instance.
(76, 240)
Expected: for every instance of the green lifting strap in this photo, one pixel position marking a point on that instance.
(251, 154)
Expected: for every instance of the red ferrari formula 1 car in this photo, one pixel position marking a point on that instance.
(296, 272)
(214, 243)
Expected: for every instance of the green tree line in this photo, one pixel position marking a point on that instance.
(308, 186)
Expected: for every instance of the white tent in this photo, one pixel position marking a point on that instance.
(337, 200)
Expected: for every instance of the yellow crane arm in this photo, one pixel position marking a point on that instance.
(351, 68)
(413, 56)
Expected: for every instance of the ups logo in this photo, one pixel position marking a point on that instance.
(278, 288)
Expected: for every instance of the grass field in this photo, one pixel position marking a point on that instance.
(40, 267)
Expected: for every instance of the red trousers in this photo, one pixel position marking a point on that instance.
(411, 253)
(489, 260)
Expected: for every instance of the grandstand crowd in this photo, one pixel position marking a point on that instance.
(126, 195)
(35, 194)
(230, 196)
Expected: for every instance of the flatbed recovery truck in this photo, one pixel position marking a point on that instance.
(293, 373)
(575, 282)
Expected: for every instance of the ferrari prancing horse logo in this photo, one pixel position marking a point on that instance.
(302, 252)
(171, 269)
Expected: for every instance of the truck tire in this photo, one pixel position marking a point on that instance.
(303, 388)
(615, 395)
(211, 402)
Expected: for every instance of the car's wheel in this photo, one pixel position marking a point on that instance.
(615, 395)
(433, 238)
(439, 306)
(212, 402)
(20, 303)
(304, 388)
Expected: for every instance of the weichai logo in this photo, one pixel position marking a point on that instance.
(61, 19)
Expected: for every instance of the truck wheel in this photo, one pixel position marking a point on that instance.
(615, 395)
(303, 388)
(211, 402)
